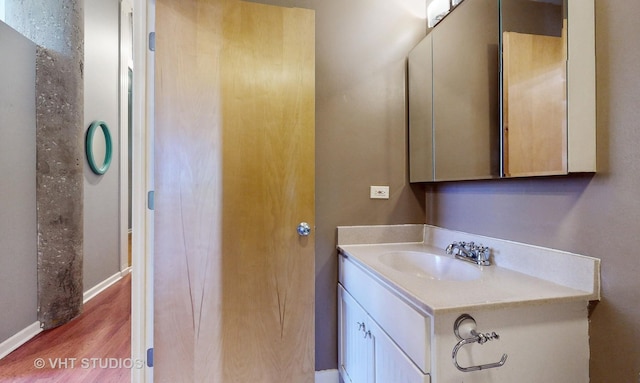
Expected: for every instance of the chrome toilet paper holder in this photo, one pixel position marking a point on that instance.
(465, 329)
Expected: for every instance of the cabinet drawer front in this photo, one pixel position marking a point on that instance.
(410, 329)
(391, 364)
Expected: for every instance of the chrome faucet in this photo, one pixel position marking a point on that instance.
(470, 252)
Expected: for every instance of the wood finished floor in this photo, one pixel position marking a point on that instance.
(100, 337)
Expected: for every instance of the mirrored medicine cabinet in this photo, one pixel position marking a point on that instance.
(504, 88)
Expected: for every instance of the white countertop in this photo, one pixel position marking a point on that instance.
(496, 287)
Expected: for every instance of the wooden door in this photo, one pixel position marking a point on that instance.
(234, 173)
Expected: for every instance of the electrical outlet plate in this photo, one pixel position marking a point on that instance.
(379, 192)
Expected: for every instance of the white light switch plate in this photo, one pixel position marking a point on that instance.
(379, 192)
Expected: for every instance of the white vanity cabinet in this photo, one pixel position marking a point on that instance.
(356, 346)
(367, 353)
(396, 326)
(381, 338)
(401, 298)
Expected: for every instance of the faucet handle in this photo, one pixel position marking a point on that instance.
(484, 252)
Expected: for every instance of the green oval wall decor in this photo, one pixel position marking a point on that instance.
(99, 168)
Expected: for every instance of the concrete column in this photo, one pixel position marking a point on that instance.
(57, 27)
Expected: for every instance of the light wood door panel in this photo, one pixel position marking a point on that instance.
(535, 117)
(234, 282)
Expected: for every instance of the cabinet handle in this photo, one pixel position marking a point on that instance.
(367, 334)
(361, 326)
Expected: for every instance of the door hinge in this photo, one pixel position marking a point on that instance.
(150, 357)
(152, 41)
(151, 200)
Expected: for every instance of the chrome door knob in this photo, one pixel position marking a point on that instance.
(304, 229)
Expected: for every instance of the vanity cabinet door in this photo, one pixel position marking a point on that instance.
(409, 329)
(390, 363)
(355, 346)
(366, 353)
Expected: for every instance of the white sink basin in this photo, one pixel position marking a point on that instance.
(430, 266)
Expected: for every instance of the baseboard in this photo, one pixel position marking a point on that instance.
(23, 336)
(100, 287)
(19, 339)
(327, 376)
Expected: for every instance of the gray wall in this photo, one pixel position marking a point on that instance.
(101, 193)
(18, 235)
(361, 136)
(595, 215)
(361, 140)
(18, 250)
(57, 27)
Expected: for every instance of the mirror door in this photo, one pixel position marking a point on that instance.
(534, 91)
(495, 92)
